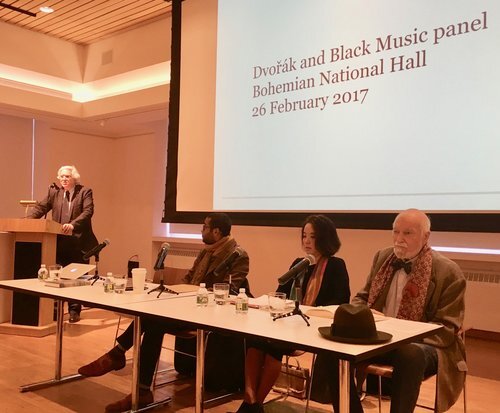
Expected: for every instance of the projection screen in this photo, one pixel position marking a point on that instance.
(358, 109)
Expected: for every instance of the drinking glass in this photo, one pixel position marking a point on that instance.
(221, 293)
(277, 303)
(54, 271)
(120, 283)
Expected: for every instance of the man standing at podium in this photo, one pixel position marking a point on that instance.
(72, 205)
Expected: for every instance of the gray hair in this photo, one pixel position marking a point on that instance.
(423, 219)
(73, 171)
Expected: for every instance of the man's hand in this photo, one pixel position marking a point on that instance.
(67, 229)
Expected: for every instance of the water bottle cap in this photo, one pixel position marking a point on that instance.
(242, 290)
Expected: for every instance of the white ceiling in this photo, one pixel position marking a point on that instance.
(84, 22)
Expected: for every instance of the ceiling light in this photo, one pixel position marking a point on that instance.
(46, 9)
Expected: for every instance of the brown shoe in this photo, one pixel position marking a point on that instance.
(125, 404)
(112, 360)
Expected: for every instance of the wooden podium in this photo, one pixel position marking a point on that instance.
(26, 244)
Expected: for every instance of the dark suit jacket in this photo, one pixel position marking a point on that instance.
(334, 288)
(82, 209)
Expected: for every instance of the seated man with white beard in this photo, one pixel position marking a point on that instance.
(412, 282)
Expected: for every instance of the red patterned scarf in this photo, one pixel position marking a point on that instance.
(415, 290)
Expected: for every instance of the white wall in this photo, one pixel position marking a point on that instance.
(15, 161)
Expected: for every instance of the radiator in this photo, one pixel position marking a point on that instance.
(182, 255)
(482, 296)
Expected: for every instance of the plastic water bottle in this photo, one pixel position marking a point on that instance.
(43, 273)
(242, 302)
(109, 285)
(202, 296)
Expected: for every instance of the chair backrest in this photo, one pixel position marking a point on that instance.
(170, 275)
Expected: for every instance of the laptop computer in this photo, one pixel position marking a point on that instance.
(75, 270)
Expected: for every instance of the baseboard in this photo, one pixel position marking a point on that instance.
(483, 335)
(31, 331)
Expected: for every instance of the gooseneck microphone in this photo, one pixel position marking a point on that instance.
(53, 185)
(96, 250)
(224, 266)
(162, 254)
(297, 268)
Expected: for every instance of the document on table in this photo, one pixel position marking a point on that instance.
(328, 311)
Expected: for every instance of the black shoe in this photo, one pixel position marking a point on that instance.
(74, 317)
(124, 405)
(250, 408)
(243, 407)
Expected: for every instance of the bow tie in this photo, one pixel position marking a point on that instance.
(399, 263)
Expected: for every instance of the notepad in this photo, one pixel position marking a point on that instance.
(66, 283)
(329, 311)
(184, 288)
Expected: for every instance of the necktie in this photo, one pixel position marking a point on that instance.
(65, 212)
(399, 263)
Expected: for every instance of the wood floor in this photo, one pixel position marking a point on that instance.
(25, 360)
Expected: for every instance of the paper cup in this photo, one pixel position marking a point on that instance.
(138, 279)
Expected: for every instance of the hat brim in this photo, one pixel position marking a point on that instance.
(381, 337)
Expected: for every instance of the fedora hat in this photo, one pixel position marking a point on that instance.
(354, 324)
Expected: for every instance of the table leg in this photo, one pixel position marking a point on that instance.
(200, 363)
(344, 384)
(58, 357)
(136, 363)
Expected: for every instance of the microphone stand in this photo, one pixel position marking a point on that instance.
(296, 310)
(161, 288)
(96, 275)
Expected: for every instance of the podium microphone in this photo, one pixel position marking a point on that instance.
(224, 265)
(162, 254)
(297, 268)
(96, 250)
(51, 186)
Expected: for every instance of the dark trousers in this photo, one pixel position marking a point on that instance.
(152, 331)
(412, 363)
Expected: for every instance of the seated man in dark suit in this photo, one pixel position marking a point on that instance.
(219, 246)
(412, 282)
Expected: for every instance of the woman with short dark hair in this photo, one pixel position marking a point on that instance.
(324, 283)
